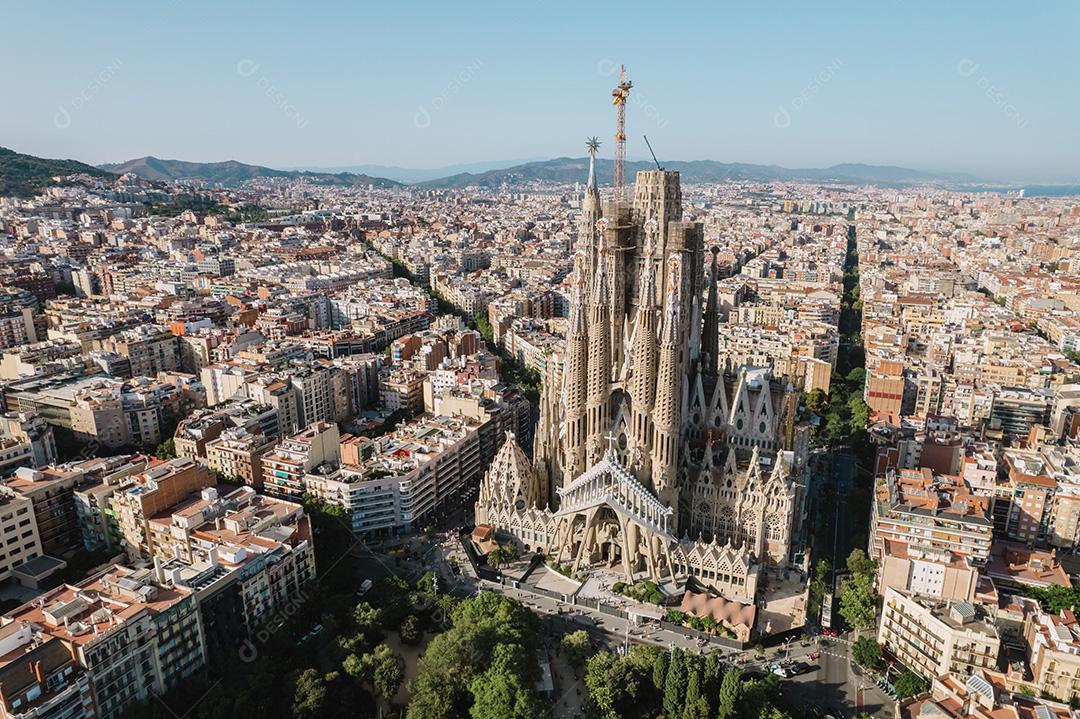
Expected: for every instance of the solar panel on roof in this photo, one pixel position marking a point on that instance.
(1043, 712)
(979, 685)
(965, 610)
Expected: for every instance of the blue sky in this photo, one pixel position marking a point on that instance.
(988, 88)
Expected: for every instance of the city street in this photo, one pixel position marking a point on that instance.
(831, 684)
(834, 684)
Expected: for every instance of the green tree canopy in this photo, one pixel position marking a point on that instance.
(858, 602)
(1055, 597)
(856, 378)
(411, 631)
(309, 695)
(675, 684)
(447, 682)
(866, 652)
(614, 686)
(501, 691)
(816, 401)
(577, 647)
(909, 684)
(730, 696)
(166, 450)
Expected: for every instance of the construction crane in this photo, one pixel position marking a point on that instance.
(649, 145)
(619, 96)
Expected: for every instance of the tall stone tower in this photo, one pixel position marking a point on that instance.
(667, 408)
(590, 215)
(640, 367)
(599, 375)
(711, 331)
(645, 356)
(658, 196)
(575, 385)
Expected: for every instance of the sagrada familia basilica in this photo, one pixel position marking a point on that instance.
(652, 456)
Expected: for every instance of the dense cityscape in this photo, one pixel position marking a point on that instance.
(580, 438)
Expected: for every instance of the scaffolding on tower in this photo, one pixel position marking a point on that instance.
(619, 97)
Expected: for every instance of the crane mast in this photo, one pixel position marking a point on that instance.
(619, 97)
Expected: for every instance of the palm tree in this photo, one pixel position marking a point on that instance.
(497, 556)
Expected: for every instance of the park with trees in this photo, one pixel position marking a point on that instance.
(653, 683)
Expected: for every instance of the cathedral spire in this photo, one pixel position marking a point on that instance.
(670, 334)
(667, 411)
(711, 340)
(592, 145)
(546, 457)
(643, 379)
(599, 367)
(600, 285)
(575, 387)
(590, 213)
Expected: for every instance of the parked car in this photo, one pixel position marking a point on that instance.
(780, 670)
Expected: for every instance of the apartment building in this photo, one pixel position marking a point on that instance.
(360, 381)
(315, 393)
(929, 533)
(94, 512)
(40, 678)
(193, 433)
(887, 388)
(134, 637)
(142, 496)
(150, 349)
(247, 557)
(281, 396)
(223, 382)
(1065, 517)
(395, 483)
(237, 455)
(16, 326)
(983, 695)
(1015, 567)
(134, 412)
(1053, 643)
(204, 426)
(1023, 503)
(19, 539)
(401, 389)
(934, 637)
(51, 492)
(14, 454)
(286, 465)
(217, 525)
(41, 359)
(33, 430)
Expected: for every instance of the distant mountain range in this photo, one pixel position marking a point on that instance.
(231, 173)
(559, 170)
(25, 175)
(575, 169)
(418, 174)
